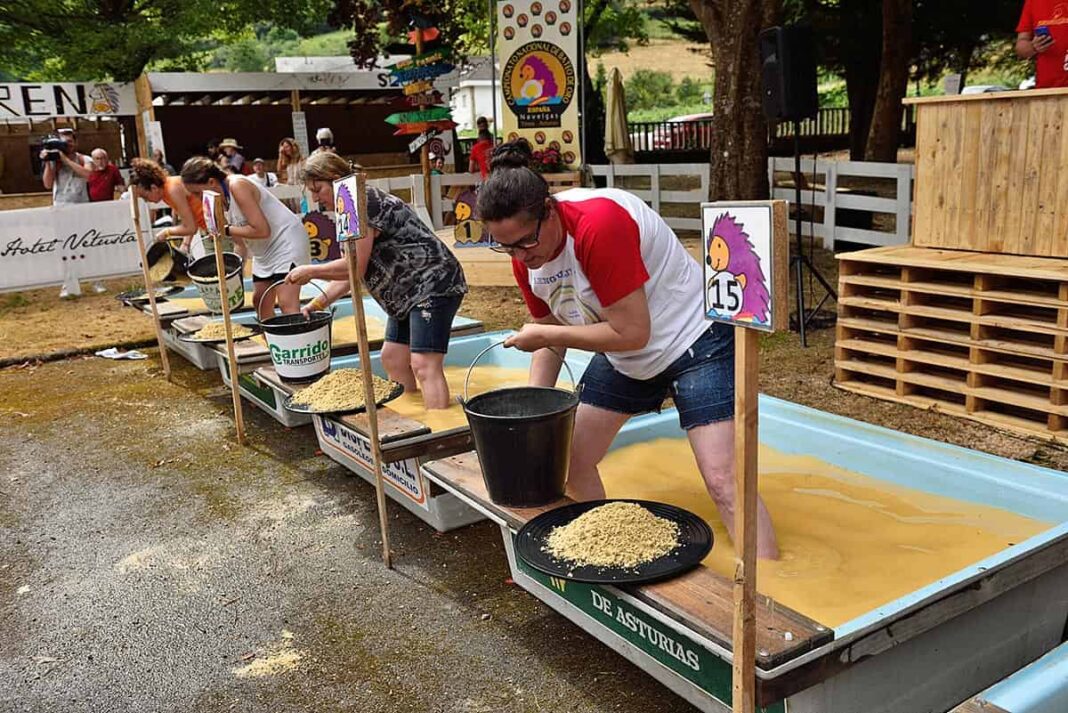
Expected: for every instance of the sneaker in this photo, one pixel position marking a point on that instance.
(63, 293)
(99, 288)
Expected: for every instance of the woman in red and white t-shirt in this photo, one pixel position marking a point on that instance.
(601, 271)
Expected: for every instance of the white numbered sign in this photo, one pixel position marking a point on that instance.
(738, 259)
(346, 211)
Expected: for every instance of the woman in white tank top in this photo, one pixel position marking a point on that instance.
(274, 235)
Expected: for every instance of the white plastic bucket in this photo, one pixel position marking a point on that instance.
(299, 345)
(204, 275)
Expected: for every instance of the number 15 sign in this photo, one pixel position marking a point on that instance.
(745, 254)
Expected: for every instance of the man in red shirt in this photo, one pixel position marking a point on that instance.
(105, 177)
(480, 153)
(1043, 34)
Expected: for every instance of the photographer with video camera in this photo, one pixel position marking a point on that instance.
(66, 172)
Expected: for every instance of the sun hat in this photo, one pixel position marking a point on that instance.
(229, 143)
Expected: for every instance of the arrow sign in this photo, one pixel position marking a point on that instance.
(421, 140)
(427, 58)
(428, 99)
(434, 113)
(412, 129)
(419, 73)
(418, 88)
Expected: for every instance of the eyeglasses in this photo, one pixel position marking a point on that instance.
(527, 243)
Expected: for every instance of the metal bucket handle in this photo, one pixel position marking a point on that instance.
(467, 379)
(280, 282)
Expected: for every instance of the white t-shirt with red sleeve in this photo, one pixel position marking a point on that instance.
(614, 245)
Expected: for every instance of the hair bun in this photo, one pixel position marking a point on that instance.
(514, 154)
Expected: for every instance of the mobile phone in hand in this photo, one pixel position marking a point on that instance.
(1042, 31)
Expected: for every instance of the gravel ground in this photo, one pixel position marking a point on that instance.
(148, 565)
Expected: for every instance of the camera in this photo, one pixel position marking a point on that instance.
(54, 146)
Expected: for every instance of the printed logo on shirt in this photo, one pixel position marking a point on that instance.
(551, 279)
(564, 302)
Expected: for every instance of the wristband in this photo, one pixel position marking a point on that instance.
(226, 230)
(317, 304)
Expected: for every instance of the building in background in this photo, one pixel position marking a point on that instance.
(474, 94)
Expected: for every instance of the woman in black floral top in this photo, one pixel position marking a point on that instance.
(410, 273)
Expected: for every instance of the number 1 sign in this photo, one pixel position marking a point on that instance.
(347, 197)
(744, 250)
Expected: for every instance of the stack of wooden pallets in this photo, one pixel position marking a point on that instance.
(972, 318)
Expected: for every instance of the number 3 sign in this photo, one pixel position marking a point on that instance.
(745, 258)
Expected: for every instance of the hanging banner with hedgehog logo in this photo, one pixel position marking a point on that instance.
(745, 256)
(538, 50)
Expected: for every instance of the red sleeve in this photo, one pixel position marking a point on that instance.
(1027, 19)
(116, 177)
(609, 249)
(535, 304)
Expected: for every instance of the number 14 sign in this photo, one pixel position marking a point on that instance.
(744, 250)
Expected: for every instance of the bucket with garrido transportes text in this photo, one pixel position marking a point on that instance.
(299, 345)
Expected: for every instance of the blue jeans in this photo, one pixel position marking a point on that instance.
(427, 327)
(701, 381)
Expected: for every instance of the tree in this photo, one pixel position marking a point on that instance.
(116, 39)
(739, 130)
(885, 132)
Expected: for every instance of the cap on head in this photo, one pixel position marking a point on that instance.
(324, 135)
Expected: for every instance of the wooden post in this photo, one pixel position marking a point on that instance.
(424, 152)
(150, 287)
(220, 267)
(145, 112)
(356, 287)
(747, 382)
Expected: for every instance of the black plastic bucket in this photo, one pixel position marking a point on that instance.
(179, 260)
(522, 436)
(299, 345)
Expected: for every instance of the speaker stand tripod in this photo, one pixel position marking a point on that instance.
(799, 260)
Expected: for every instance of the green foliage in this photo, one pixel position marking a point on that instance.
(600, 79)
(612, 25)
(689, 91)
(90, 39)
(647, 88)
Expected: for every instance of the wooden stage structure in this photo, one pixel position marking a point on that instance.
(972, 318)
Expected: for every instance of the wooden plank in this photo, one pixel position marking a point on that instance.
(985, 175)
(1010, 230)
(1031, 299)
(1059, 247)
(1001, 147)
(391, 425)
(1027, 267)
(987, 97)
(925, 215)
(963, 224)
(743, 636)
(952, 176)
(1049, 172)
(700, 600)
(1028, 200)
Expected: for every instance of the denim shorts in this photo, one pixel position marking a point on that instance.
(427, 327)
(701, 382)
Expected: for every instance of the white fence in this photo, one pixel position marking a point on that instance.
(655, 195)
(830, 196)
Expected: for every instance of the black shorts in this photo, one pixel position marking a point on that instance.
(276, 277)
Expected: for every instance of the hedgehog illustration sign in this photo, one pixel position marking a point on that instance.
(346, 211)
(538, 46)
(745, 263)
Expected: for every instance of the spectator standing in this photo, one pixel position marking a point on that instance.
(105, 177)
(158, 157)
(1042, 34)
(232, 150)
(68, 175)
(213, 149)
(437, 164)
(261, 175)
(480, 153)
(325, 138)
(481, 124)
(290, 162)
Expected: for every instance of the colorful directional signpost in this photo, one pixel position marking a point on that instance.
(415, 76)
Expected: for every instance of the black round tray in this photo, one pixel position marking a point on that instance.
(304, 408)
(139, 294)
(695, 542)
(256, 331)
